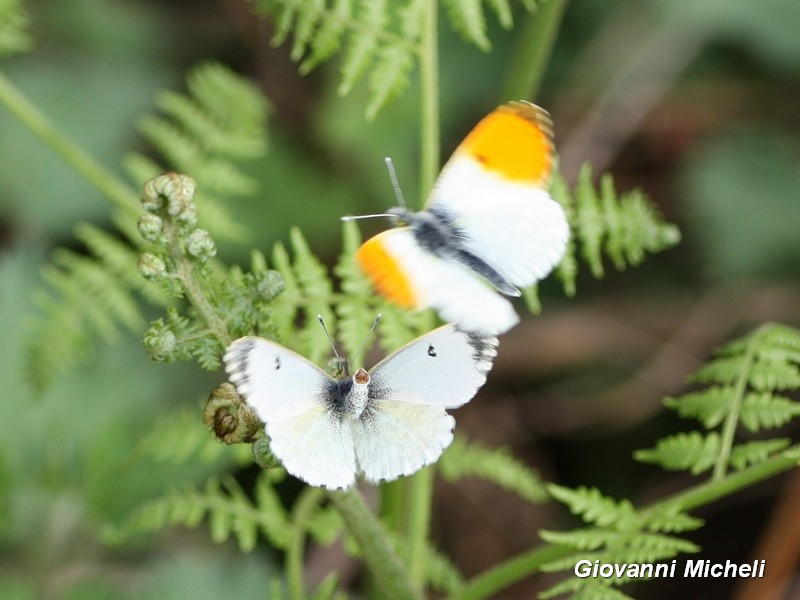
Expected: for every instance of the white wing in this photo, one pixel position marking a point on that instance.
(446, 285)
(316, 446)
(278, 383)
(293, 398)
(517, 228)
(445, 367)
(399, 438)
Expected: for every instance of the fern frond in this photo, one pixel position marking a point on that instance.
(467, 18)
(14, 37)
(230, 513)
(624, 227)
(497, 465)
(691, 451)
(671, 519)
(767, 411)
(389, 75)
(752, 453)
(180, 437)
(743, 379)
(592, 506)
(61, 336)
(219, 123)
(709, 406)
(363, 42)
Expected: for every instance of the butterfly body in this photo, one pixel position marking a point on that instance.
(384, 423)
(489, 220)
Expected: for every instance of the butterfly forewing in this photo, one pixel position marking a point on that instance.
(445, 367)
(278, 383)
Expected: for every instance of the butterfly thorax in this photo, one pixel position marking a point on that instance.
(359, 394)
(436, 231)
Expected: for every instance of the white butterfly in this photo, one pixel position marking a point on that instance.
(387, 422)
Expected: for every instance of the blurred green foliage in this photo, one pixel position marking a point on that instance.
(68, 462)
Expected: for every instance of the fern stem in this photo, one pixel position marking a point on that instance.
(303, 509)
(732, 419)
(379, 555)
(710, 491)
(113, 188)
(419, 517)
(503, 575)
(184, 269)
(538, 35)
(429, 90)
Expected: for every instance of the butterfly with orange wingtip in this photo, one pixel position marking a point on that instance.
(488, 219)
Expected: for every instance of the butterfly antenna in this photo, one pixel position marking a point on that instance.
(330, 339)
(364, 343)
(398, 193)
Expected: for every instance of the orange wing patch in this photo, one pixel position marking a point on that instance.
(515, 140)
(385, 272)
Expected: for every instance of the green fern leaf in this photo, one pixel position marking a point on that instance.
(767, 411)
(329, 35)
(684, 451)
(581, 539)
(219, 123)
(753, 453)
(592, 506)
(774, 376)
(467, 18)
(709, 406)
(363, 42)
(316, 290)
(671, 519)
(589, 221)
(502, 10)
(180, 437)
(724, 371)
(14, 37)
(389, 75)
(465, 459)
(625, 227)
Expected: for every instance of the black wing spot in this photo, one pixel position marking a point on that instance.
(277, 362)
(431, 350)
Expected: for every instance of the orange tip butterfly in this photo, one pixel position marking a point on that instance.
(384, 423)
(489, 219)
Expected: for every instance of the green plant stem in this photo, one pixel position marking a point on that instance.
(732, 419)
(113, 188)
(537, 37)
(710, 491)
(184, 269)
(419, 518)
(379, 555)
(530, 562)
(490, 582)
(429, 110)
(303, 509)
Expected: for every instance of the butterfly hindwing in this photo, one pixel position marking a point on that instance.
(399, 438)
(316, 446)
